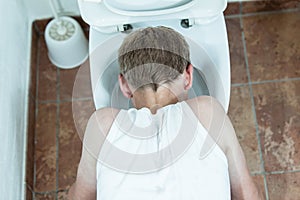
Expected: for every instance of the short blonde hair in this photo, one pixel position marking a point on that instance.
(153, 56)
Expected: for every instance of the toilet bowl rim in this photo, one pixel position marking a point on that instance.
(210, 78)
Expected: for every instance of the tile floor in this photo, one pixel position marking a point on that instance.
(264, 108)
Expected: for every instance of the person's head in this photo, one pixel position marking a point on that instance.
(153, 57)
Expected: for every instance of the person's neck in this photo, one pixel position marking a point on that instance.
(154, 100)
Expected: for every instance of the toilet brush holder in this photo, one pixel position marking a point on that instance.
(66, 43)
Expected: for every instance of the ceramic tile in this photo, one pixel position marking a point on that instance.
(45, 148)
(30, 143)
(62, 195)
(47, 196)
(67, 79)
(82, 110)
(69, 147)
(273, 45)
(41, 24)
(284, 186)
(278, 116)
(259, 182)
(87, 33)
(33, 61)
(28, 194)
(242, 118)
(269, 5)
(47, 79)
(232, 8)
(237, 58)
(75, 83)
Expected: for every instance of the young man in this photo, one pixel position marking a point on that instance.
(167, 146)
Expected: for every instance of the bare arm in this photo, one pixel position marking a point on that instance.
(85, 187)
(212, 115)
(242, 184)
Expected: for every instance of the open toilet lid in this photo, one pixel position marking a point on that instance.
(103, 13)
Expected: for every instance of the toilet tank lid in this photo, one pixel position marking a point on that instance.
(103, 13)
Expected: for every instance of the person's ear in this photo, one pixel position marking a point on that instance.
(188, 76)
(124, 86)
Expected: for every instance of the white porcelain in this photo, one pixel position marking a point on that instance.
(209, 54)
(66, 43)
(207, 38)
(138, 5)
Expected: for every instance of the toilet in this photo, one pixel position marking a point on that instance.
(201, 22)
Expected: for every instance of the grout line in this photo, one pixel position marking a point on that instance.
(241, 8)
(283, 172)
(239, 84)
(66, 100)
(275, 172)
(256, 173)
(290, 10)
(275, 81)
(262, 165)
(57, 127)
(233, 16)
(47, 101)
(265, 82)
(47, 192)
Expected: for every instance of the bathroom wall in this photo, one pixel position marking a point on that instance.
(38, 9)
(16, 17)
(14, 72)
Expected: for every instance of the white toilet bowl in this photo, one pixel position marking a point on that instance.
(208, 43)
